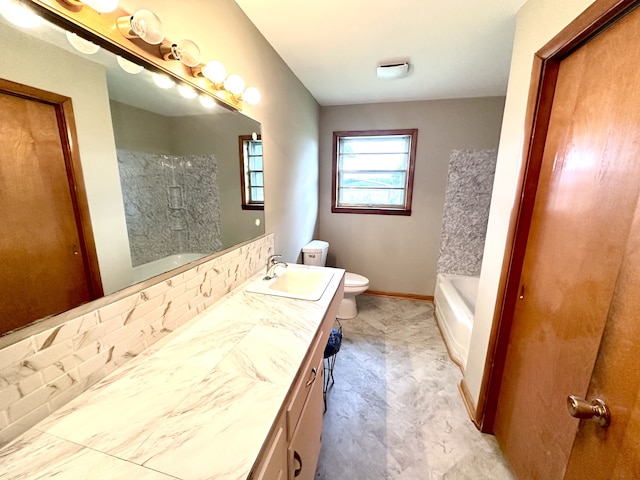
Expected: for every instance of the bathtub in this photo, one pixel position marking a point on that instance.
(157, 267)
(455, 300)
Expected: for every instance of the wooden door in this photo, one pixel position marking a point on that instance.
(44, 259)
(581, 269)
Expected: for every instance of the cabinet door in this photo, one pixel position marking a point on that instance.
(304, 447)
(305, 383)
(273, 464)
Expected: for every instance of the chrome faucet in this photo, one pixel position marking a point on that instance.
(272, 263)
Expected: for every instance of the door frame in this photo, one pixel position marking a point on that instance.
(594, 20)
(71, 153)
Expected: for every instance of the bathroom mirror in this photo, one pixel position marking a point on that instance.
(162, 173)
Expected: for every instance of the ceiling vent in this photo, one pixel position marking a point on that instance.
(389, 71)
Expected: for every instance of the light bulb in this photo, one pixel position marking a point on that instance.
(187, 52)
(234, 84)
(128, 66)
(102, 6)
(19, 14)
(215, 72)
(146, 25)
(252, 96)
(207, 102)
(162, 81)
(187, 92)
(82, 45)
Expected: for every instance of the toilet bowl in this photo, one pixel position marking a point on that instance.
(315, 253)
(354, 284)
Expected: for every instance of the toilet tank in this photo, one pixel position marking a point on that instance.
(315, 253)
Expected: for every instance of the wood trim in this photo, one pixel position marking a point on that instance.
(538, 107)
(411, 172)
(467, 399)
(66, 120)
(68, 137)
(591, 22)
(370, 211)
(31, 93)
(409, 296)
(595, 19)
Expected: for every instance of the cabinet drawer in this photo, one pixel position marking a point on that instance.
(310, 374)
(304, 448)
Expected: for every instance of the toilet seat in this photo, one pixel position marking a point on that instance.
(355, 280)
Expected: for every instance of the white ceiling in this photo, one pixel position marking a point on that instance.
(456, 48)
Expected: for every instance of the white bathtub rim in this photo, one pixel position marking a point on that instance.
(454, 317)
(454, 349)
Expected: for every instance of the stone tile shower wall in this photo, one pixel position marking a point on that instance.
(466, 211)
(41, 373)
(169, 209)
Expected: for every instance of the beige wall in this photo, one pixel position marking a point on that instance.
(288, 112)
(140, 130)
(400, 253)
(538, 21)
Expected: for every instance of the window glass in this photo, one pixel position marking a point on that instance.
(373, 171)
(251, 172)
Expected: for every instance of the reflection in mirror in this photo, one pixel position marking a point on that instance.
(160, 171)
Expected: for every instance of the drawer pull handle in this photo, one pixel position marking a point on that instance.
(313, 379)
(296, 457)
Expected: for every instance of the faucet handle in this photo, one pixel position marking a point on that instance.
(272, 259)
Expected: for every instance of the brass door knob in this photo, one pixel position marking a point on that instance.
(596, 410)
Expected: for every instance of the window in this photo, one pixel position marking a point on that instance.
(373, 171)
(251, 172)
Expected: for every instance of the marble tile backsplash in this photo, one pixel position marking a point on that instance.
(466, 211)
(43, 372)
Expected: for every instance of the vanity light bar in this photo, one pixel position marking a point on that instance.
(181, 59)
(144, 22)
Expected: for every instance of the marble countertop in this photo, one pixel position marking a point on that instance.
(198, 404)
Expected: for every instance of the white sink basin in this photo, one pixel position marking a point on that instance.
(303, 282)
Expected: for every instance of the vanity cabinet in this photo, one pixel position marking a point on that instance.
(304, 446)
(293, 446)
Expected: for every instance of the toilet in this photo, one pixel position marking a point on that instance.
(315, 253)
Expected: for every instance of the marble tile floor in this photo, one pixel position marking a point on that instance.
(394, 411)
